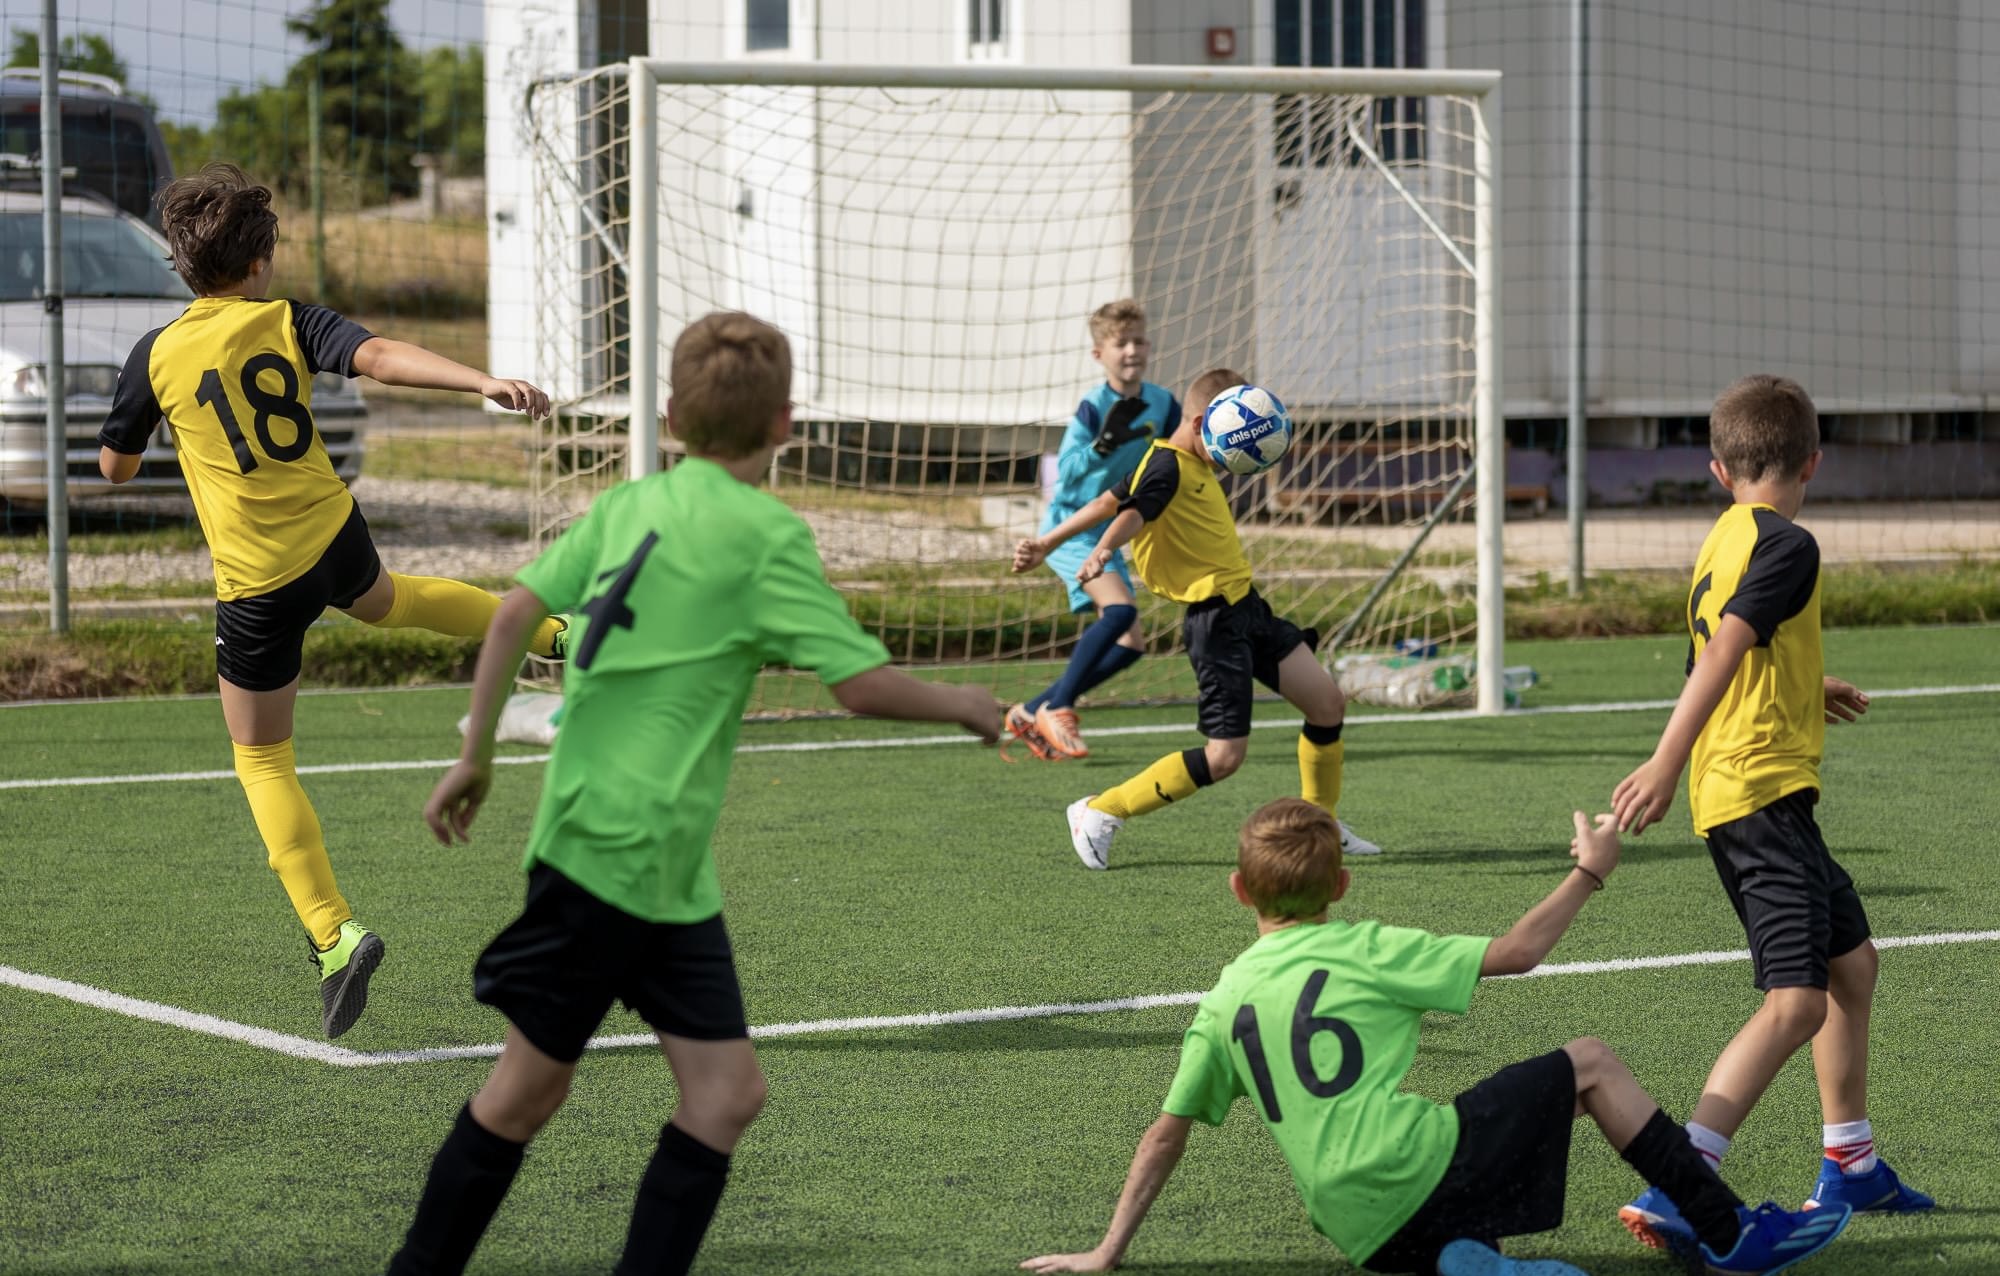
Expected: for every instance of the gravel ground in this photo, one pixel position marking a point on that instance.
(436, 527)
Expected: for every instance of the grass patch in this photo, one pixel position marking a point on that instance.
(497, 457)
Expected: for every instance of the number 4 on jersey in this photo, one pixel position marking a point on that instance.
(608, 611)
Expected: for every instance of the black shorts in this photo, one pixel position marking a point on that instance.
(1509, 1173)
(1229, 644)
(1797, 904)
(259, 641)
(555, 972)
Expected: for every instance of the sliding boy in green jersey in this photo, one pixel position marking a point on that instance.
(684, 585)
(1319, 1019)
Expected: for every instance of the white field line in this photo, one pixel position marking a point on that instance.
(341, 1056)
(924, 741)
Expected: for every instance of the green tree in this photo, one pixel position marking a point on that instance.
(451, 88)
(369, 109)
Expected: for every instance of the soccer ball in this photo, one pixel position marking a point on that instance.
(1246, 430)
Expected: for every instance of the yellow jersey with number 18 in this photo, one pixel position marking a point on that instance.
(1764, 739)
(233, 378)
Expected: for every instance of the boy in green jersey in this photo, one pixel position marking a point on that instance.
(683, 585)
(1319, 1019)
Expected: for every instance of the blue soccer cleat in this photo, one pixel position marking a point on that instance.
(1878, 1191)
(1772, 1239)
(1470, 1258)
(1655, 1222)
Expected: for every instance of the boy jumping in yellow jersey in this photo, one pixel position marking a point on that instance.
(1318, 1023)
(233, 377)
(1753, 717)
(1184, 545)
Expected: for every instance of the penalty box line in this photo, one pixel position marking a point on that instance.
(925, 741)
(343, 1057)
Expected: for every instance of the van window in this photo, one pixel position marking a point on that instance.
(110, 150)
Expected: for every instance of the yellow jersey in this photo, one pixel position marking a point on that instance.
(1188, 550)
(1765, 738)
(232, 377)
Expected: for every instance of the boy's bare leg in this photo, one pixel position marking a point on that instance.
(722, 1090)
(1788, 1019)
(1110, 590)
(523, 1091)
(1840, 1048)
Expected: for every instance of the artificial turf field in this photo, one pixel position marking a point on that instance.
(933, 878)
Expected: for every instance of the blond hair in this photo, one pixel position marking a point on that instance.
(1208, 385)
(1763, 426)
(1113, 317)
(732, 375)
(1289, 857)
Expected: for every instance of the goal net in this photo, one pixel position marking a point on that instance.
(933, 249)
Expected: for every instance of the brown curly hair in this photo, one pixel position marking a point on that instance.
(218, 224)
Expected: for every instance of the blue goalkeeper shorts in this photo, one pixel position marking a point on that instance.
(1067, 561)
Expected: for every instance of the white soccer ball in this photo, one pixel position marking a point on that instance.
(1246, 430)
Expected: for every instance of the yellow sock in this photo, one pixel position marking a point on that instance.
(1169, 780)
(1319, 767)
(453, 607)
(290, 829)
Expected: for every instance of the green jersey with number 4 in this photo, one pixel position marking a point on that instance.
(682, 586)
(1318, 1023)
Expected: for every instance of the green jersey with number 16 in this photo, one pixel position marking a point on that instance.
(1318, 1023)
(683, 585)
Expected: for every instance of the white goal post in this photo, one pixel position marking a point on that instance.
(770, 142)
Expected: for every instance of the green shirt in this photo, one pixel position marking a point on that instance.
(1319, 1022)
(683, 585)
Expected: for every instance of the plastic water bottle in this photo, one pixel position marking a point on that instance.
(1516, 679)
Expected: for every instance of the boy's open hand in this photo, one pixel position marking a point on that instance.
(456, 800)
(1028, 554)
(1844, 701)
(1089, 1262)
(1595, 846)
(1642, 798)
(1093, 566)
(519, 396)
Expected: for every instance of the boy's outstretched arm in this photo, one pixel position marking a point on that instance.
(1522, 948)
(1159, 1152)
(456, 799)
(400, 363)
(1122, 529)
(1029, 553)
(1642, 798)
(883, 692)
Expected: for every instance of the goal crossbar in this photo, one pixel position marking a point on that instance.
(1479, 87)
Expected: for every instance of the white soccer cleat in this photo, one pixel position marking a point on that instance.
(1090, 832)
(1352, 845)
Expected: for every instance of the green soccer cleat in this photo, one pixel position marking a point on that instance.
(343, 975)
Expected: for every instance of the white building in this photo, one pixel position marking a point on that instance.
(1788, 187)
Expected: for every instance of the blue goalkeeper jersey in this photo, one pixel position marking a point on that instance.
(1103, 444)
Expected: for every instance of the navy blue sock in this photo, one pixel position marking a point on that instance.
(1116, 659)
(1090, 649)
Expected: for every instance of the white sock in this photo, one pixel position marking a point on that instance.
(1852, 1145)
(1707, 1142)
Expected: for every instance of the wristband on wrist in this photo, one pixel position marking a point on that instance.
(1592, 876)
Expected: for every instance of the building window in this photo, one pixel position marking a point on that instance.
(767, 25)
(1349, 33)
(987, 30)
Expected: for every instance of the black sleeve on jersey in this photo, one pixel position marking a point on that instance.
(1779, 579)
(135, 409)
(1152, 487)
(327, 338)
(1173, 417)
